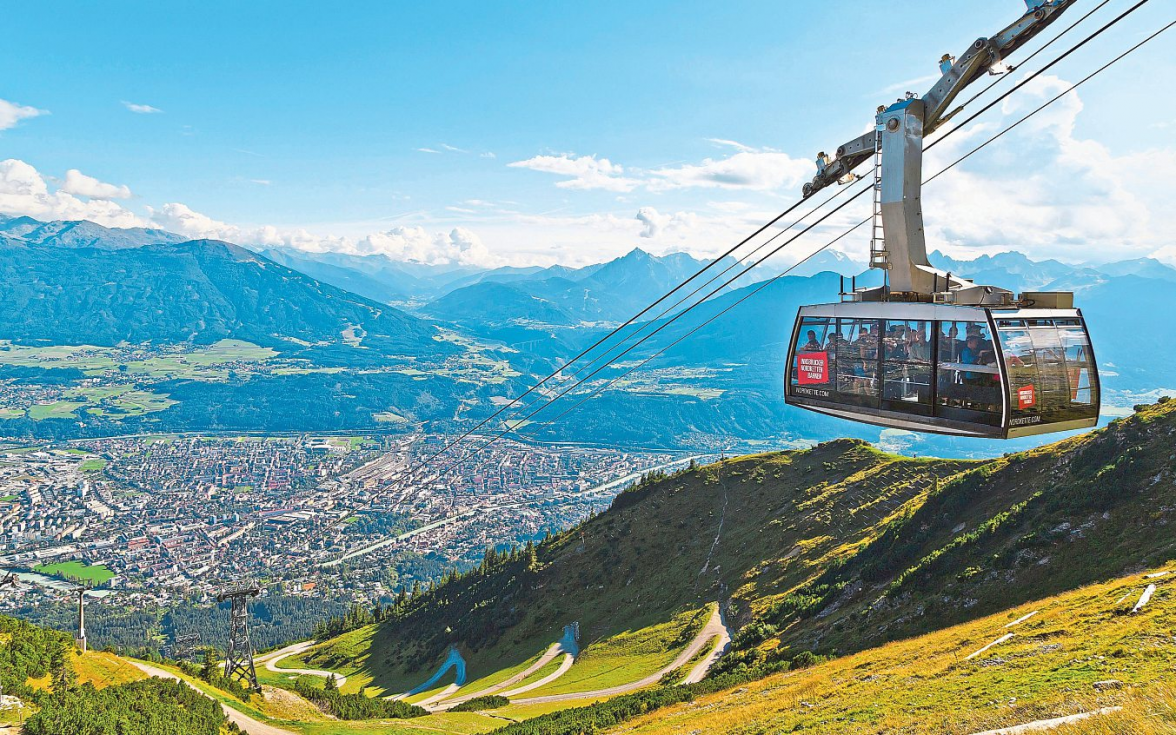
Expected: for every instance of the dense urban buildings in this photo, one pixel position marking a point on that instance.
(352, 517)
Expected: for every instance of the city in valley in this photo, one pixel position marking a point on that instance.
(157, 519)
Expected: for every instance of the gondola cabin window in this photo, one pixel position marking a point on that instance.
(815, 358)
(858, 345)
(968, 375)
(906, 366)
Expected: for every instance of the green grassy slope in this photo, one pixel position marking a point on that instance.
(1078, 652)
(747, 530)
(835, 549)
(1017, 528)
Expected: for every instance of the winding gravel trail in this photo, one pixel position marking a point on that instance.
(721, 644)
(714, 628)
(564, 666)
(566, 645)
(271, 662)
(240, 719)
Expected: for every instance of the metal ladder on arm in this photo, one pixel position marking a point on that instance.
(879, 257)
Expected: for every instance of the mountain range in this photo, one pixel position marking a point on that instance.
(77, 283)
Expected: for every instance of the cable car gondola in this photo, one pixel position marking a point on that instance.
(928, 350)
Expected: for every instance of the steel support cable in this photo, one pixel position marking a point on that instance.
(1030, 57)
(942, 171)
(946, 134)
(740, 261)
(1040, 71)
(645, 325)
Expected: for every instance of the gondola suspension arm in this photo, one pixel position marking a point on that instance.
(984, 56)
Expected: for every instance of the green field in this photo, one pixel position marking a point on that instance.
(8, 498)
(112, 402)
(201, 362)
(77, 571)
(93, 465)
(55, 410)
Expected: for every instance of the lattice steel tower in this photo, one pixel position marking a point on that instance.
(239, 659)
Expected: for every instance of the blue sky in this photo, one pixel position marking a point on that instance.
(539, 132)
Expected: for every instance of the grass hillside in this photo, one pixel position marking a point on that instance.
(1014, 529)
(1076, 653)
(738, 532)
(832, 550)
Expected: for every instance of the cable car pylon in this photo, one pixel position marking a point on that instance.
(239, 653)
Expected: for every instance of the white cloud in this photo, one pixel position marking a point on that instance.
(427, 150)
(683, 224)
(653, 221)
(583, 172)
(183, 220)
(80, 184)
(260, 182)
(1043, 191)
(458, 246)
(761, 170)
(748, 168)
(24, 191)
(12, 113)
(141, 109)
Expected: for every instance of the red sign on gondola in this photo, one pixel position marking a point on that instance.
(1026, 397)
(812, 368)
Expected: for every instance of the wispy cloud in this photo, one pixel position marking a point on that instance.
(260, 182)
(427, 150)
(583, 172)
(141, 109)
(730, 144)
(12, 113)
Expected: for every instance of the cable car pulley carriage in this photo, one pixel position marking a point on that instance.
(928, 350)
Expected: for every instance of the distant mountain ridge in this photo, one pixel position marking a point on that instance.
(198, 291)
(78, 283)
(82, 234)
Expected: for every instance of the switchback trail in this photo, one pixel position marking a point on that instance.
(240, 719)
(714, 628)
(271, 662)
(566, 645)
